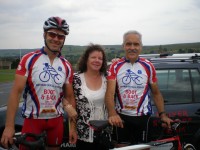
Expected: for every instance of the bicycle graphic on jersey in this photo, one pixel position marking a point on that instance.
(48, 72)
(132, 76)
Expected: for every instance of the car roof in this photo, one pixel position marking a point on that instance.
(168, 55)
(170, 61)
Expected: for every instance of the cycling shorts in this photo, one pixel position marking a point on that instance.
(134, 131)
(53, 128)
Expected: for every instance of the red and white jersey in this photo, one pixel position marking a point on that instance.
(43, 93)
(133, 85)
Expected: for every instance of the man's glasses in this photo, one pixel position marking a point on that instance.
(54, 34)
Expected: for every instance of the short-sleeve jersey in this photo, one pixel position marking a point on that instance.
(43, 92)
(133, 86)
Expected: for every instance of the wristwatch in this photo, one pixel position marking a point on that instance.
(162, 112)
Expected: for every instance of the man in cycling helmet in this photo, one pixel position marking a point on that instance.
(55, 31)
(45, 78)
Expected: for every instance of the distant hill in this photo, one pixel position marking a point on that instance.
(173, 47)
(72, 52)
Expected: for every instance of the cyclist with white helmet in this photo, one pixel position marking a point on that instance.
(45, 78)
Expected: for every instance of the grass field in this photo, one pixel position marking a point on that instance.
(7, 75)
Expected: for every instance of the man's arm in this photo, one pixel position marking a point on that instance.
(159, 102)
(12, 107)
(158, 98)
(69, 95)
(69, 102)
(114, 118)
(71, 111)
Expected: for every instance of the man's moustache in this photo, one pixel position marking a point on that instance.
(132, 51)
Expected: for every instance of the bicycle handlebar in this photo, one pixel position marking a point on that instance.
(102, 124)
(39, 140)
(175, 124)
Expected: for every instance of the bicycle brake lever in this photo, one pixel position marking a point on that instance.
(175, 125)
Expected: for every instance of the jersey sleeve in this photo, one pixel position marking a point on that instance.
(153, 77)
(111, 73)
(22, 68)
(70, 78)
(69, 73)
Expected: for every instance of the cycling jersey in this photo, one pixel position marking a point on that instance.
(43, 92)
(133, 86)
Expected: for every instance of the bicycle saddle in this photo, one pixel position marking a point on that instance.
(99, 124)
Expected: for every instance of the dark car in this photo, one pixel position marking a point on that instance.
(18, 121)
(179, 82)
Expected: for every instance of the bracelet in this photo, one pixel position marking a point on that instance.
(163, 112)
(67, 106)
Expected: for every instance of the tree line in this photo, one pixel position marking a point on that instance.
(73, 52)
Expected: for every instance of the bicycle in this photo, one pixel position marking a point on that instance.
(39, 142)
(171, 143)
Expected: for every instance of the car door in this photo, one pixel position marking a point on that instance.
(180, 88)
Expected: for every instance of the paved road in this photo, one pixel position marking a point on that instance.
(4, 92)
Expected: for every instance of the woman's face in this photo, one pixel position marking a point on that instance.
(95, 61)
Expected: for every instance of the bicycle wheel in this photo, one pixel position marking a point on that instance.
(57, 79)
(44, 76)
(126, 80)
(189, 147)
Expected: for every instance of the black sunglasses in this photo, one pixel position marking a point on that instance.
(54, 34)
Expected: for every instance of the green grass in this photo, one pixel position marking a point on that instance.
(7, 75)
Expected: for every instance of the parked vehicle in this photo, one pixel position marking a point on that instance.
(179, 82)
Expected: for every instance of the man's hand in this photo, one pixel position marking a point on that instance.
(115, 59)
(71, 112)
(7, 136)
(116, 121)
(166, 119)
(73, 136)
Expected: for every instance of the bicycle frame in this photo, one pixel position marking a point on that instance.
(134, 147)
(175, 140)
(155, 145)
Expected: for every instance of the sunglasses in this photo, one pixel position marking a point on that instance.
(54, 34)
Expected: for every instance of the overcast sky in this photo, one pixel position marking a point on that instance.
(100, 21)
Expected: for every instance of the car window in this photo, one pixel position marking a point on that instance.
(196, 84)
(179, 85)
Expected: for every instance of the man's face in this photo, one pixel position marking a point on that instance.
(54, 39)
(132, 46)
